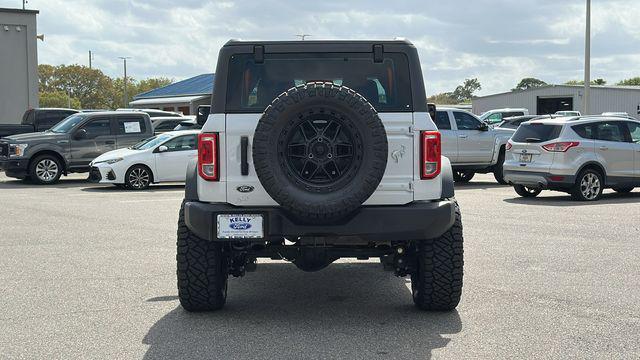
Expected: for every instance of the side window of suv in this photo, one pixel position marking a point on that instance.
(466, 121)
(131, 125)
(610, 131)
(442, 120)
(585, 131)
(98, 127)
(634, 129)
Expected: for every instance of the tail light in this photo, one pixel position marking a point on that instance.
(508, 146)
(430, 162)
(560, 146)
(208, 160)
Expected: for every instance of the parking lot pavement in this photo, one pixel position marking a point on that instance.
(88, 271)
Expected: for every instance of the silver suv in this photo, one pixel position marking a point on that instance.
(578, 155)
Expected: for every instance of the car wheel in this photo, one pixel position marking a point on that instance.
(463, 176)
(45, 170)
(320, 150)
(138, 177)
(526, 191)
(588, 187)
(498, 171)
(436, 284)
(623, 190)
(202, 271)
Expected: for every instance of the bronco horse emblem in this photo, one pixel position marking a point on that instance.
(398, 154)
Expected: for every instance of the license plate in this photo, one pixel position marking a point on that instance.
(240, 226)
(525, 158)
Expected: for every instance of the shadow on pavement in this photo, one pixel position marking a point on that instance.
(24, 184)
(566, 201)
(107, 188)
(345, 311)
(478, 185)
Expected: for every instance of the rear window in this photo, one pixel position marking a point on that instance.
(252, 86)
(536, 133)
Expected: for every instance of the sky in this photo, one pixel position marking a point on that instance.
(497, 41)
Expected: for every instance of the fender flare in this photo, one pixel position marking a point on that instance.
(191, 181)
(446, 176)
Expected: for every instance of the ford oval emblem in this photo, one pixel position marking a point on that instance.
(240, 226)
(245, 188)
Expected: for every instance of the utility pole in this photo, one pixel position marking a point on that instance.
(303, 36)
(124, 59)
(90, 58)
(24, 4)
(586, 100)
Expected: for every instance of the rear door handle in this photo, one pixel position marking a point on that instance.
(463, 136)
(603, 148)
(110, 142)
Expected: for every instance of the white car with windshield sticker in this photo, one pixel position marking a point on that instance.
(161, 158)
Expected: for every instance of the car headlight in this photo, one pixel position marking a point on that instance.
(17, 149)
(110, 161)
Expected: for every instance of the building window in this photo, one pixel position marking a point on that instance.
(184, 110)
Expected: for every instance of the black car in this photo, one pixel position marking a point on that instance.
(35, 120)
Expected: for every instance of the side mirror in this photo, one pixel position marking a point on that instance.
(203, 114)
(162, 148)
(483, 127)
(80, 134)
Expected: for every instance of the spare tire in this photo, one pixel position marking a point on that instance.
(320, 151)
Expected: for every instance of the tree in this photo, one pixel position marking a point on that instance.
(630, 82)
(58, 99)
(529, 83)
(442, 99)
(581, 82)
(464, 92)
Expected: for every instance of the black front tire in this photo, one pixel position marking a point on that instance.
(463, 176)
(623, 190)
(436, 284)
(202, 271)
(45, 170)
(526, 191)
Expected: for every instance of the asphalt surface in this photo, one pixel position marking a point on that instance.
(88, 271)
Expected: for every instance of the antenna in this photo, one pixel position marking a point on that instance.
(303, 36)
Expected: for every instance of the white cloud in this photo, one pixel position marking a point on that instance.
(497, 41)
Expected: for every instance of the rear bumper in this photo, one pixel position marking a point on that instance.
(543, 180)
(414, 221)
(17, 168)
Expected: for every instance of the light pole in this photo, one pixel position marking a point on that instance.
(125, 97)
(587, 64)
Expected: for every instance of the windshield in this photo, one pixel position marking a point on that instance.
(151, 142)
(67, 124)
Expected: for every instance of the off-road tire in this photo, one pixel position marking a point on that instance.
(202, 271)
(33, 169)
(437, 282)
(498, 170)
(463, 176)
(527, 192)
(623, 190)
(577, 189)
(306, 200)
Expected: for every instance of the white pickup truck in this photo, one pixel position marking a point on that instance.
(471, 145)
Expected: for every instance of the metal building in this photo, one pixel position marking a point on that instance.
(183, 96)
(18, 64)
(552, 98)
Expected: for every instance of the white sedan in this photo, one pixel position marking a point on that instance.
(162, 158)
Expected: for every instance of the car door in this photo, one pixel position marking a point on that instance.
(171, 164)
(634, 135)
(131, 129)
(98, 140)
(449, 137)
(614, 148)
(475, 146)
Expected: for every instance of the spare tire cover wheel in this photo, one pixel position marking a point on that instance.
(320, 150)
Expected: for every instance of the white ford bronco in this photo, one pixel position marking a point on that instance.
(315, 151)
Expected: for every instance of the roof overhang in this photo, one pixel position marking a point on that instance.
(168, 100)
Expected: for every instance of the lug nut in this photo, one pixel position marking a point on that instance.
(400, 250)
